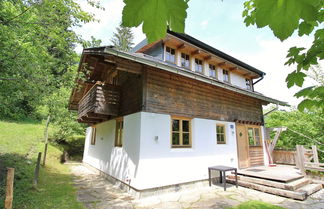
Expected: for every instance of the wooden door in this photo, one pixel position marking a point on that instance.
(242, 146)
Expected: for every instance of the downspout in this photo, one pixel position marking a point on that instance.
(257, 81)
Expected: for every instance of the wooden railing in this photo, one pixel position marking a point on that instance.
(99, 102)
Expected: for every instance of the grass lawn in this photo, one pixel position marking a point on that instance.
(256, 205)
(55, 189)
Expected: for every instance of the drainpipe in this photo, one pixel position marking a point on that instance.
(257, 81)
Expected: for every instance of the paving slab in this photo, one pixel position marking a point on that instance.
(95, 192)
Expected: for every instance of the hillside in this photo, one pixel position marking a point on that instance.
(19, 144)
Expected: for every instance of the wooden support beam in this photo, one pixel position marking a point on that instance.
(9, 188)
(221, 64)
(128, 70)
(233, 68)
(246, 74)
(197, 51)
(181, 46)
(207, 57)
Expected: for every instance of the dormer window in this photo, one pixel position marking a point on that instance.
(248, 84)
(169, 55)
(226, 76)
(185, 60)
(212, 71)
(198, 66)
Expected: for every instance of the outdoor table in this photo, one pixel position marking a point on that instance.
(222, 175)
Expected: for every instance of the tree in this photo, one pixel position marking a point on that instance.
(283, 17)
(123, 38)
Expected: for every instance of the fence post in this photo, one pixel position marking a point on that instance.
(315, 156)
(301, 158)
(46, 139)
(37, 169)
(9, 188)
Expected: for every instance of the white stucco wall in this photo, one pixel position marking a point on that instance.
(237, 80)
(147, 160)
(162, 165)
(119, 162)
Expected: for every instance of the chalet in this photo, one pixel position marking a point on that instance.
(163, 113)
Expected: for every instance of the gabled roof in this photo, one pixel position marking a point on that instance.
(191, 40)
(154, 62)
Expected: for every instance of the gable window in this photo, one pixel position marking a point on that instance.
(198, 66)
(169, 55)
(93, 135)
(212, 71)
(180, 132)
(248, 84)
(220, 134)
(119, 132)
(185, 60)
(226, 76)
(254, 136)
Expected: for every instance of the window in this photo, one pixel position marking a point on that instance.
(93, 135)
(119, 132)
(248, 84)
(181, 132)
(169, 55)
(254, 136)
(220, 134)
(226, 76)
(212, 71)
(185, 60)
(198, 66)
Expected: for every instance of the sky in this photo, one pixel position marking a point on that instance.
(221, 25)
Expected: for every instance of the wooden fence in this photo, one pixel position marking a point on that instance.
(282, 156)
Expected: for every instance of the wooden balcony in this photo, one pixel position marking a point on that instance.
(99, 104)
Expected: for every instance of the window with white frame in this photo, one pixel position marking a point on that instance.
(198, 66)
(248, 84)
(185, 60)
(169, 55)
(226, 77)
(212, 71)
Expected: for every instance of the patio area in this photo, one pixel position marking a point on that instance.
(95, 192)
(281, 173)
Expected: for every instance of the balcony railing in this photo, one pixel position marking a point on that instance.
(100, 102)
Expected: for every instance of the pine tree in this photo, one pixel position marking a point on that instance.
(123, 38)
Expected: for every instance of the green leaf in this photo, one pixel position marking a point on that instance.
(306, 104)
(304, 92)
(156, 16)
(295, 78)
(305, 28)
(283, 16)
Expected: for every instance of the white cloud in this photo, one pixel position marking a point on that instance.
(204, 24)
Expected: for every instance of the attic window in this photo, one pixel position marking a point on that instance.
(226, 76)
(169, 55)
(212, 71)
(198, 66)
(248, 84)
(185, 60)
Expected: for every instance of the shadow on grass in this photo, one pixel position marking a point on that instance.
(53, 191)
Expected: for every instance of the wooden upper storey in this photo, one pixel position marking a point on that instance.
(190, 54)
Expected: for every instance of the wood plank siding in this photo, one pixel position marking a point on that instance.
(177, 95)
(256, 156)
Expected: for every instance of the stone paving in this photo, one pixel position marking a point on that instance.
(97, 193)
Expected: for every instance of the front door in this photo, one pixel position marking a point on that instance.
(242, 146)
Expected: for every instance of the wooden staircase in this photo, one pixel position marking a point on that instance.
(297, 189)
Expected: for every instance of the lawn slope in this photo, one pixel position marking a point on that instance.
(20, 143)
